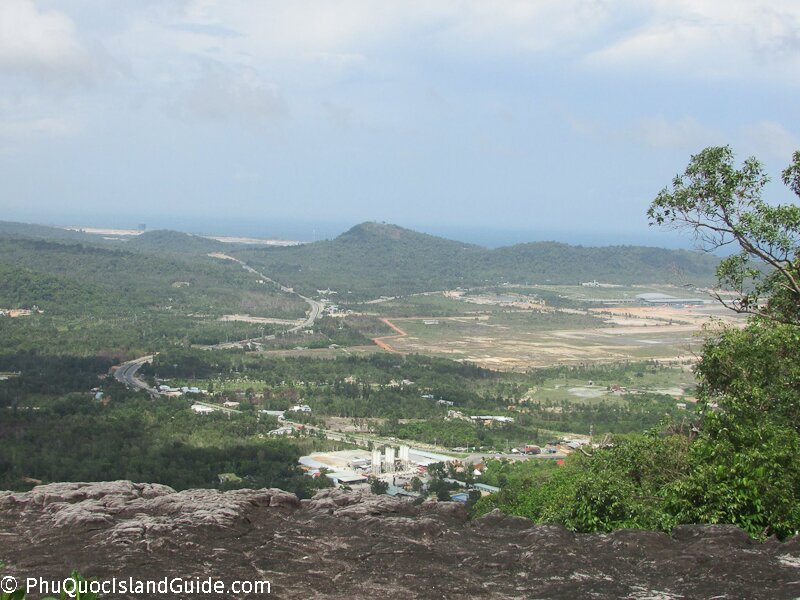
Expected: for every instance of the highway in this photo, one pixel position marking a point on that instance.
(126, 374)
(314, 312)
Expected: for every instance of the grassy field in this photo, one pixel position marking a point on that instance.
(677, 382)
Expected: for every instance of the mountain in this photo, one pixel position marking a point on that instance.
(370, 259)
(374, 259)
(556, 262)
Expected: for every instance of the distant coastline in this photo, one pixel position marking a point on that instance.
(283, 233)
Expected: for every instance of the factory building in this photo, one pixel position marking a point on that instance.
(655, 299)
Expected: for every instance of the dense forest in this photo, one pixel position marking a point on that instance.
(100, 299)
(54, 432)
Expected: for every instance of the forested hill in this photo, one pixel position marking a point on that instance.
(375, 259)
(562, 263)
(369, 260)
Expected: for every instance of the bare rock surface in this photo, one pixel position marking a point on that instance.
(353, 545)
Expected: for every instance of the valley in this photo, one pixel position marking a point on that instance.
(390, 354)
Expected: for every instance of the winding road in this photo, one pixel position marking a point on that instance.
(126, 372)
(315, 307)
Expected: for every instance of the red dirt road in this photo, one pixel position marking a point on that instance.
(381, 341)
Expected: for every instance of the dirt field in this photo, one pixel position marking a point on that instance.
(518, 341)
(249, 319)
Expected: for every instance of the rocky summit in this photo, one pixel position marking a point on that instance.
(357, 545)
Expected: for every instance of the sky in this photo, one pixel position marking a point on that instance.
(489, 121)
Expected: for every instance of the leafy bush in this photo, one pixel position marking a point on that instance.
(621, 486)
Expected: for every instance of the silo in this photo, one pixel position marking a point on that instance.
(376, 462)
(388, 459)
(405, 457)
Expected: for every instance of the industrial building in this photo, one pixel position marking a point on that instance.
(657, 299)
(386, 463)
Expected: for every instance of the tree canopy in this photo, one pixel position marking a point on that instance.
(722, 206)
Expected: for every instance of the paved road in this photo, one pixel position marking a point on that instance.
(481, 456)
(126, 374)
(315, 307)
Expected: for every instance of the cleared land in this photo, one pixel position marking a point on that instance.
(497, 336)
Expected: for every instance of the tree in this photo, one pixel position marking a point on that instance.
(744, 466)
(722, 206)
(745, 461)
(378, 486)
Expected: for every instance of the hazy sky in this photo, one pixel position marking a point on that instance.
(542, 117)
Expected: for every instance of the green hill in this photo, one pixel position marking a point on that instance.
(561, 263)
(103, 299)
(374, 259)
(370, 259)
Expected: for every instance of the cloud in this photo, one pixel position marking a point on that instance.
(771, 140)
(221, 93)
(341, 116)
(316, 43)
(42, 45)
(205, 29)
(657, 132)
(684, 133)
(716, 39)
(21, 130)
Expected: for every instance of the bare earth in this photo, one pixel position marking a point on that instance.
(249, 319)
(631, 333)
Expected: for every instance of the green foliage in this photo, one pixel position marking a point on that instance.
(745, 472)
(378, 486)
(142, 440)
(746, 468)
(369, 387)
(621, 486)
(754, 372)
(164, 241)
(722, 205)
(100, 299)
(745, 462)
